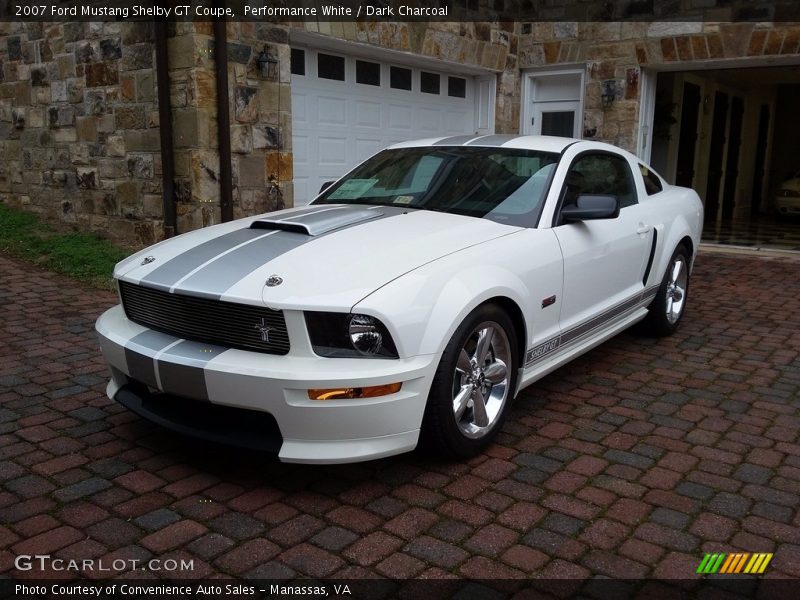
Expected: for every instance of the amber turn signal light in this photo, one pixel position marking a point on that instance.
(354, 392)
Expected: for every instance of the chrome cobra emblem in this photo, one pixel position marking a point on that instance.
(274, 280)
(148, 259)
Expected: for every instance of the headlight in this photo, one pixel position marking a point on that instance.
(341, 335)
(365, 334)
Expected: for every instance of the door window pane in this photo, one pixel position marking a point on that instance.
(561, 123)
(330, 67)
(429, 82)
(368, 73)
(400, 78)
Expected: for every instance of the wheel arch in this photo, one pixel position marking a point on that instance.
(426, 327)
(687, 242)
(462, 295)
(514, 312)
(680, 233)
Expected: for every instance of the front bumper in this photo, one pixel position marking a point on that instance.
(311, 431)
(787, 205)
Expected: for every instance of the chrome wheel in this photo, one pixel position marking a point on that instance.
(676, 289)
(482, 379)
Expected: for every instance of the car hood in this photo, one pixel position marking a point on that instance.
(316, 257)
(791, 184)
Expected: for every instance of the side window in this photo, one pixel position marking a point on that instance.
(600, 174)
(651, 181)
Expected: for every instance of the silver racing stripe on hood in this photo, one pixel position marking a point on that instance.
(177, 268)
(218, 275)
(211, 268)
(315, 224)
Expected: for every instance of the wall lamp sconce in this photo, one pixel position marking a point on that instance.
(267, 64)
(609, 93)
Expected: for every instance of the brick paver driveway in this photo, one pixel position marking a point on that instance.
(630, 462)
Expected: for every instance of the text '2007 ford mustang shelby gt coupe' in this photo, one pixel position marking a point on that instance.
(408, 303)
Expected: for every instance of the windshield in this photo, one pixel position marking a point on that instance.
(502, 184)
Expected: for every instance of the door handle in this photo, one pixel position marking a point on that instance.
(642, 229)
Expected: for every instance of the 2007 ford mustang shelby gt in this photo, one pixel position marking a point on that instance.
(409, 302)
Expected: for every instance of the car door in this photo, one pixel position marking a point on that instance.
(604, 259)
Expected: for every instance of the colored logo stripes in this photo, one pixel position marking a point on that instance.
(733, 563)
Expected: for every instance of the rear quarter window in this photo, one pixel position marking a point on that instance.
(652, 182)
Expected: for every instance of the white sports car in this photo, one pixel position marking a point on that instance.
(409, 303)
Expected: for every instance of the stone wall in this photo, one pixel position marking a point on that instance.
(261, 118)
(260, 122)
(79, 126)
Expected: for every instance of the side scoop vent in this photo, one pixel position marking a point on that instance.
(317, 223)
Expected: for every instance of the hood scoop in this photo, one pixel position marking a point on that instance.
(318, 222)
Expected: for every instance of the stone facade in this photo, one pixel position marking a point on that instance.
(260, 122)
(79, 115)
(79, 123)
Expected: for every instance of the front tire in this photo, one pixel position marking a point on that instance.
(473, 385)
(667, 308)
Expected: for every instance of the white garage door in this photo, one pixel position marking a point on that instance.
(345, 108)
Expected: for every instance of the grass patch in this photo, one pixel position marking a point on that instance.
(83, 256)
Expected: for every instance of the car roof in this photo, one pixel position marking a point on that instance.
(545, 143)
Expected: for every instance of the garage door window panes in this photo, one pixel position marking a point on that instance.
(400, 78)
(298, 61)
(429, 83)
(457, 87)
(330, 66)
(368, 73)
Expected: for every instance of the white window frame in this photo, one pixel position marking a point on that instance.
(529, 80)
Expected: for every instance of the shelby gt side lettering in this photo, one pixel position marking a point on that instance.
(577, 333)
(416, 296)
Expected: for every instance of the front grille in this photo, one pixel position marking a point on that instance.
(223, 323)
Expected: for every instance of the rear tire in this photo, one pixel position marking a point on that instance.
(473, 385)
(669, 305)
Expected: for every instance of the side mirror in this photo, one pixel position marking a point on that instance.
(589, 207)
(325, 186)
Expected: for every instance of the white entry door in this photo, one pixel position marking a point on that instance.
(346, 108)
(554, 104)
